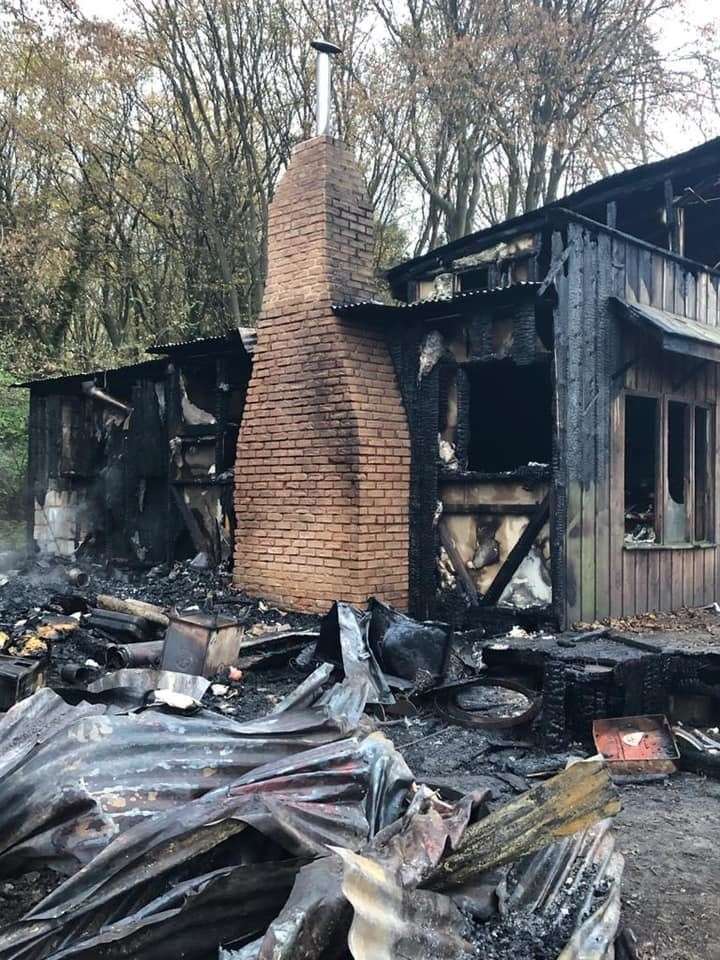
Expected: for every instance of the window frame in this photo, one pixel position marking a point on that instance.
(662, 485)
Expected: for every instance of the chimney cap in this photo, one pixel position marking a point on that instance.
(324, 46)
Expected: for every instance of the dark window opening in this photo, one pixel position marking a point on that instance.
(702, 473)
(478, 279)
(544, 325)
(200, 381)
(641, 419)
(510, 416)
(679, 510)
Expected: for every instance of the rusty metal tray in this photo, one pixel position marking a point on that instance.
(637, 744)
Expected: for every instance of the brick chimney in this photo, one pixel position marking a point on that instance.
(323, 459)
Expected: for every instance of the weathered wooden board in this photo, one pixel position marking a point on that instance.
(598, 359)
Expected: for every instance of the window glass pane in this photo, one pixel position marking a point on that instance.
(676, 514)
(702, 474)
(641, 419)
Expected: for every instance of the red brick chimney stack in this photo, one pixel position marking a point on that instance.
(323, 460)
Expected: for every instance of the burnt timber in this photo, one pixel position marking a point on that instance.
(582, 316)
(135, 463)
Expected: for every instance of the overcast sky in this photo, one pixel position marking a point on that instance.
(676, 135)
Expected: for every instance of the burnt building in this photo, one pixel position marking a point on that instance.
(555, 385)
(135, 463)
(527, 428)
(559, 372)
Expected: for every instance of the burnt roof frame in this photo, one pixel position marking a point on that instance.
(706, 155)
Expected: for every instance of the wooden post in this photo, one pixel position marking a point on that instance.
(675, 221)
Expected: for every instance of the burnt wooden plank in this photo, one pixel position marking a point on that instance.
(517, 554)
(575, 427)
(617, 502)
(710, 586)
(617, 270)
(490, 509)
(642, 558)
(668, 286)
(590, 427)
(558, 488)
(629, 557)
(690, 295)
(679, 289)
(632, 272)
(712, 301)
(604, 354)
(698, 596)
(701, 297)
(653, 580)
(645, 277)
(467, 582)
(658, 281)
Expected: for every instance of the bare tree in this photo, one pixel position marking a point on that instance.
(505, 103)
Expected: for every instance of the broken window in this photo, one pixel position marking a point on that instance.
(510, 416)
(672, 505)
(702, 472)
(675, 510)
(641, 418)
(477, 279)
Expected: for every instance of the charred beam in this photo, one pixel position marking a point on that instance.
(490, 509)
(518, 553)
(566, 804)
(468, 584)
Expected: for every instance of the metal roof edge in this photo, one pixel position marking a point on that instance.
(376, 306)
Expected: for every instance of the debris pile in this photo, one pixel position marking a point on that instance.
(179, 830)
(189, 772)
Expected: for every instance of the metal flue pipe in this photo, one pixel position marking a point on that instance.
(91, 389)
(325, 50)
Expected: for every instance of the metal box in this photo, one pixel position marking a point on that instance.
(19, 678)
(200, 643)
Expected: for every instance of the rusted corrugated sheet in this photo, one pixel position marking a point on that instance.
(574, 883)
(177, 876)
(99, 774)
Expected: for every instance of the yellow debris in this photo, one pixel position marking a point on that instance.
(31, 645)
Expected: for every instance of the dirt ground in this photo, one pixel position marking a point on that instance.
(669, 834)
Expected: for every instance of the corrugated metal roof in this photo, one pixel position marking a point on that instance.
(91, 374)
(377, 306)
(197, 342)
(246, 335)
(677, 334)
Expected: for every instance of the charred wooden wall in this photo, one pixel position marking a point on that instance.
(475, 510)
(95, 476)
(597, 360)
(145, 485)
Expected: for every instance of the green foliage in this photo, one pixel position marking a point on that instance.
(13, 459)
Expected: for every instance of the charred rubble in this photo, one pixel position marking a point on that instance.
(263, 777)
(346, 785)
